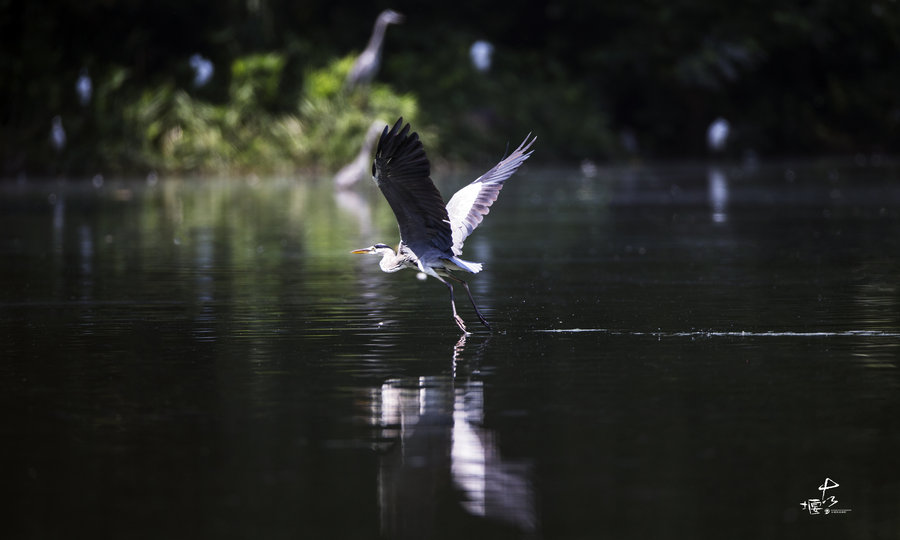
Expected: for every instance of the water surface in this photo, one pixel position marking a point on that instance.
(679, 352)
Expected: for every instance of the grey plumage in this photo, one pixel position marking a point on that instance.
(402, 172)
(367, 63)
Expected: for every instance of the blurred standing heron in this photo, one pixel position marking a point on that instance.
(431, 234)
(352, 172)
(366, 66)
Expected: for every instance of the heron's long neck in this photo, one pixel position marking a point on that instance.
(391, 262)
(365, 153)
(374, 44)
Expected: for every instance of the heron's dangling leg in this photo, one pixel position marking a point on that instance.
(456, 317)
(468, 292)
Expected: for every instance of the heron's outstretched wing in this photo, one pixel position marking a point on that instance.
(401, 170)
(469, 205)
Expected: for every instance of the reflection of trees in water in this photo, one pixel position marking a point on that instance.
(216, 248)
(437, 448)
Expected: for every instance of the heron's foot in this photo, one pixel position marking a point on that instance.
(459, 322)
(484, 322)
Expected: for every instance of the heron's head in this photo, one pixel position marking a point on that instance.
(377, 249)
(389, 16)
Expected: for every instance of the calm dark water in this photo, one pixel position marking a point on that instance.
(679, 352)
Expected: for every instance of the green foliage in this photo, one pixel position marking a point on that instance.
(337, 120)
(791, 77)
(327, 83)
(255, 80)
(479, 113)
(178, 132)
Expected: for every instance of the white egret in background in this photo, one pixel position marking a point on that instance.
(57, 133)
(359, 168)
(481, 52)
(203, 69)
(717, 134)
(366, 66)
(431, 234)
(84, 87)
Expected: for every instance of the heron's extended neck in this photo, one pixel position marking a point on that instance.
(374, 44)
(391, 262)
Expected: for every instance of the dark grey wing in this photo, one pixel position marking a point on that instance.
(469, 205)
(401, 170)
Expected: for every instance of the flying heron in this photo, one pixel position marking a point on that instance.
(366, 66)
(431, 234)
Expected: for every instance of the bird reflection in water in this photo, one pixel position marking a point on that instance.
(348, 200)
(717, 184)
(437, 449)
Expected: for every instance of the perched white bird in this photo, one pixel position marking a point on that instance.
(481, 53)
(203, 69)
(717, 134)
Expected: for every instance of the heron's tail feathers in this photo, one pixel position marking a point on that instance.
(468, 266)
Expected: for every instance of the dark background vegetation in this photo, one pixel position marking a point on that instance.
(793, 78)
